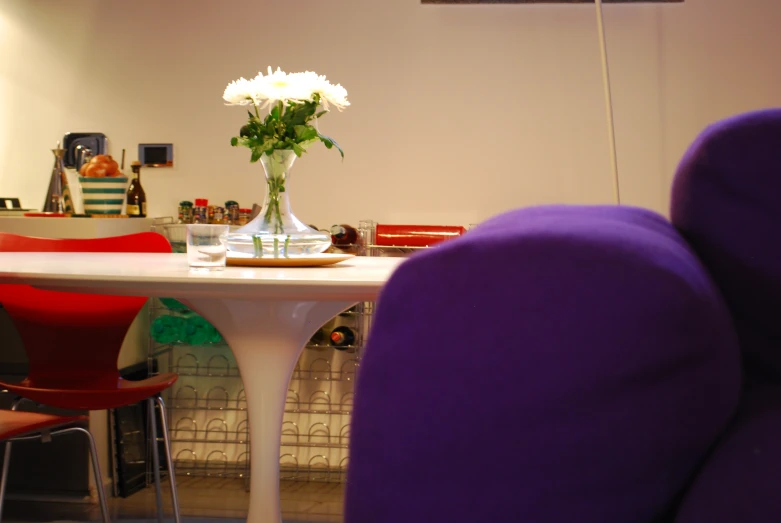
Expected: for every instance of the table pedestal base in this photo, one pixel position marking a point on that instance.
(267, 338)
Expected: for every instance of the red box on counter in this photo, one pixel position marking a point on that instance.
(415, 235)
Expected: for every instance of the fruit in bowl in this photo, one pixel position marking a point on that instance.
(100, 166)
(103, 186)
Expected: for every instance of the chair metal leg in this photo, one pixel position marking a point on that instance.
(6, 463)
(169, 460)
(4, 478)
(93, 452)
(155, 458)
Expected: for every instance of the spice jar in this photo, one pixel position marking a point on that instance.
(199, 211)
(232, 212)
(219, 216)
(185, 212)
(244, 216)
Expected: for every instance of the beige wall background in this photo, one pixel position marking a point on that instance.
(459, 112)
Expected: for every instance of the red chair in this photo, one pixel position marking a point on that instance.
(22, 426)
(73, 340)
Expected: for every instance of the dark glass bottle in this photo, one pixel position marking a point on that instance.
(136, 197)
(342, 337)
(352, 311)
(346, 238)
(319, 338)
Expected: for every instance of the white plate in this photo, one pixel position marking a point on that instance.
(314, 260)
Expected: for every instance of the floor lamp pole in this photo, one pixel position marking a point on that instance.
(611, 135)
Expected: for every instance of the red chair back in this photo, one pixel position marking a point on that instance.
(73, 338)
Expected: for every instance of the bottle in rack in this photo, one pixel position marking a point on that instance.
(346, 238)
(350, 312)
(136, 197)
(342, 337)
(320, 337)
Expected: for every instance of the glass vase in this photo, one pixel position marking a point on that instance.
(276, 232)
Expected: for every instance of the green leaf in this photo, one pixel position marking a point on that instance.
(329, 142)
(269, 144)
(256, 154)
(321, 113)
(301, 113)
(275, 113)
(297, 149)
(234, 141)
(305, 132)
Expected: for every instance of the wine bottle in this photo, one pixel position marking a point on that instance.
(352, 311)
(346, 238)
(136, 197)
(319, 338)
(342, 337)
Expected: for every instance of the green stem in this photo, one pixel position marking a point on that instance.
(273, 214)
(257, 242)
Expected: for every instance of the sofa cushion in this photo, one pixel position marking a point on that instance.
(741, 482)
(556, 364)
(726, 201)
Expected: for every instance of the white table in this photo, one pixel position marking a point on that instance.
(265, 314)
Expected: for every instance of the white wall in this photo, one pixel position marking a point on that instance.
(459, 112)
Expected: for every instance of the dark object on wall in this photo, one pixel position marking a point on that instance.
(97, 143)
(156, 154)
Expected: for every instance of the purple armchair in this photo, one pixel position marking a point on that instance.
(580, 364)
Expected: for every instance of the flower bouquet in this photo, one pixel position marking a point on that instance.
(294, 103)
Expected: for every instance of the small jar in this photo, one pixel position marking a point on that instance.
(199, 210)
(219, 216)
(232, 212)
(244, 216)
(185, 212)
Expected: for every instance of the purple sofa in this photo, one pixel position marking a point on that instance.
(726, 201)
(571, 364)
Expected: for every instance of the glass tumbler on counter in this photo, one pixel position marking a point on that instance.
(206, 247)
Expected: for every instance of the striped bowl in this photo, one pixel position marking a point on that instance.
(103, 195)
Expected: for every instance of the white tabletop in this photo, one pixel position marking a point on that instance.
(357, 279)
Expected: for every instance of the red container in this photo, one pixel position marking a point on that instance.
(415, 235)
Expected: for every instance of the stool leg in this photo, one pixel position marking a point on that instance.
(155, 457)
(93, 451)
(169, 460)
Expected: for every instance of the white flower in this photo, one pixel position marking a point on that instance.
(239, 92)
(333, 94)
(277, 86)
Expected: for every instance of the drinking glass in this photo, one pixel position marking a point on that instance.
(206, 247)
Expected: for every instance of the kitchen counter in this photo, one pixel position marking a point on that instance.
(73, 227)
